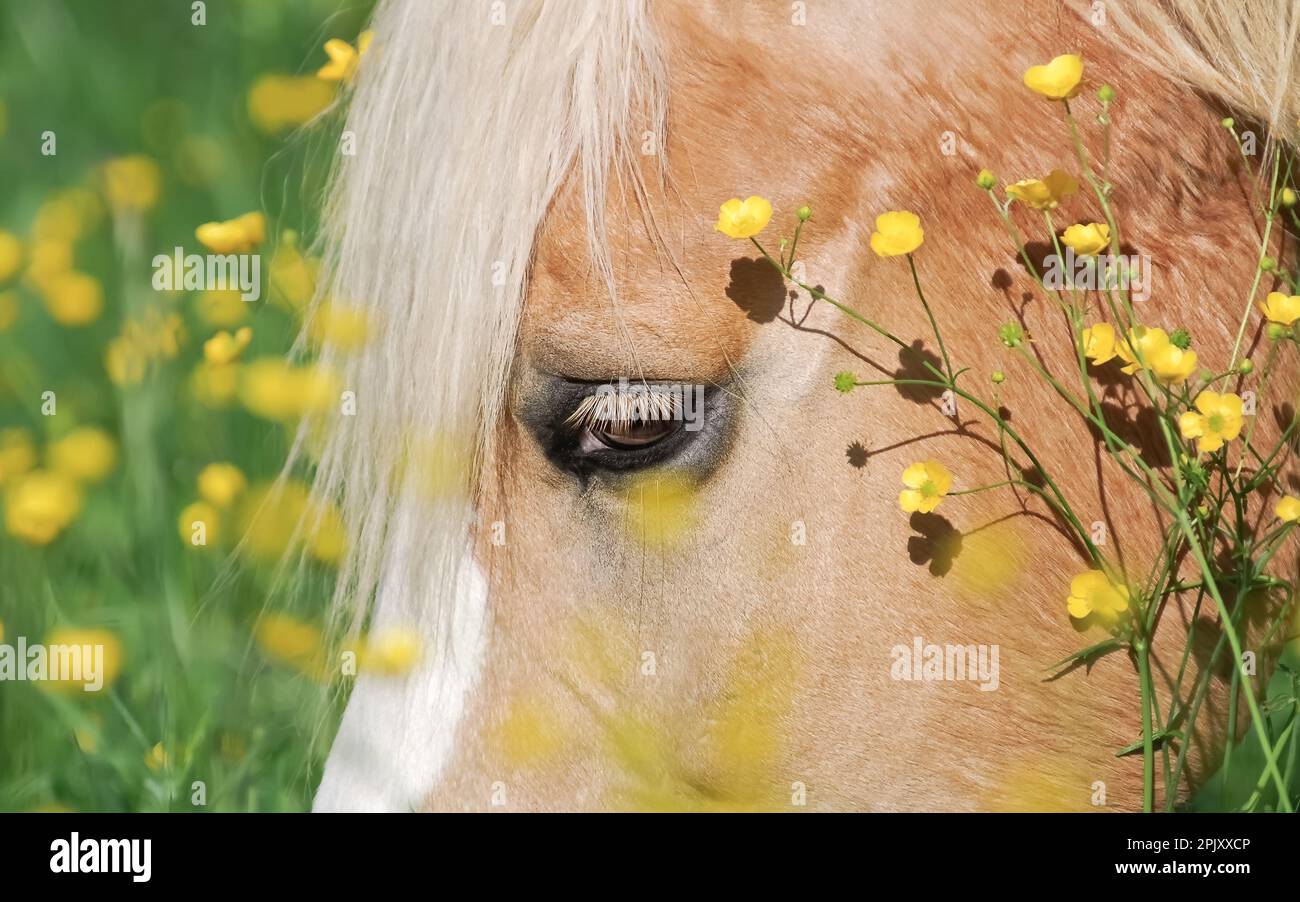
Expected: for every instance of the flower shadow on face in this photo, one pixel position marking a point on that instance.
(938, 542)
(912, 362)
(757, 289)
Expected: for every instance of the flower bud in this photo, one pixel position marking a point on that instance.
(1288, 197)
(985, 180)
(998, 377)
(1268, 264)
(1012, 334)
(1181, 339)
(804, 213)
(1246, 367)
(1227, 122)
(1276, 331)
(845, 382)
(1105, 93)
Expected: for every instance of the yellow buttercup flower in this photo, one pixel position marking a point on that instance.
(897, 232)
(1044, 193)
(233, 236)
(1094, 593)
(1168, 362)
(1087, 240)
(387, 653)
(343, 328)
(87, 454)
(11, 255)
(200, 525)
(1099, 343)
(1173, 365)
(927, 484)
(74, 298)
(215, 386)
(221, 483)
(744, 218)
(271, 515)
(1288, 509)
(344, 58)
(40, 505)
(67, 216)
(132, 184)
(17, 454)
(1281, 309)
(278, 102)
(224, 348)
(274, 389)
(1058, 80)
(48, 260)
(293, 642)
(96, 638)
(292, 274)
(223, 308)
(156, 758)
(1217, 420)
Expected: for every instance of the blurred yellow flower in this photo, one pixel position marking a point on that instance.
(67, 216)
(344, 58)
(96, 638)
(215, 386)
(1288, 509)
(1045, 193)
(124, 364)
(274, 389)
(744, 218)
(1087, 240)
(233, 236)
(343, 328)
(278, 102)
(156, 758)
(17, 453)
(926, 485)
(221, 483)
(1281, 309)
(200, 525)
(275, 517)
(8, 309)
(11, 255)
(132, 183)
(1099, 343)
(1058, 80)
(224, 348)
(387, 653)
(1094, 593)
(897, 232)
(86, 454)
(73, 298)
(40, 505)
(222, 308)
(48, 260)
(1217, 420)
(291, 641)
(292, 274)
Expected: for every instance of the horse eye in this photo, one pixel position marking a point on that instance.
(632, 435)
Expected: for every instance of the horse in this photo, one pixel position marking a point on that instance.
(647, 617)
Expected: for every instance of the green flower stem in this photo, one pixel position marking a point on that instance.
(1270, 215)
(916, 280)
(1143, 649)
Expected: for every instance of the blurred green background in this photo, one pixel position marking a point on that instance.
(158, 125)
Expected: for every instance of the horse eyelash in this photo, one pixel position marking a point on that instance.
(615, 407)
